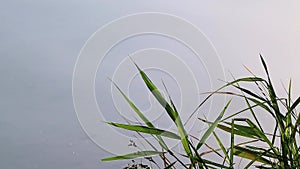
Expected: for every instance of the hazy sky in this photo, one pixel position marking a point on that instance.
(41, 40)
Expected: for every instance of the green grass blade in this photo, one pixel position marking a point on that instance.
(212, 127)
(132, 155)
(251, 93)
(250, 154)
(132, 105)
(246, 130)
(273, 97)
(266, 152)
(263, 137)
(170, 99)
(228, 129)
(231, 144)
(289, 93)
(264, 64)
(251, 110)
(159, 97)
(171, 112)
(261, 104)
(226, 158)
(209, 162)
(148, 130)
(246, 79)
(295, 104)
(141, 115)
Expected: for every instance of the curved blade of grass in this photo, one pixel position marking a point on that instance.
(262, 136)
(141, 115)
(261, 104)
(250, 154)
(207, 162)
(266, 153)
(239, 112)
(273, 97)
(247, 131)
(295, 130)
(171, 112)
(231, 144)
(132, 155)
(228, 129)
(250, 108)
(226, 158)
(246, 79)
(144, 129)
(295, 104)
(132, 105)
(250, 93)
(170, 99)
(212, 127)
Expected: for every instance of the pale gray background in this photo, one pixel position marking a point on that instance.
(41, 39)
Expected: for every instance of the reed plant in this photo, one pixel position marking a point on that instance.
(278, 149)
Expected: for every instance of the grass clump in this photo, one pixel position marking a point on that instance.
(279, 149)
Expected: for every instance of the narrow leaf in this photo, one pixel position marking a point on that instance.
(295, 104)
(132, 155)
(250, 154)
(144, 129)
(171, 112)
(141, 115)
(212, 127)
